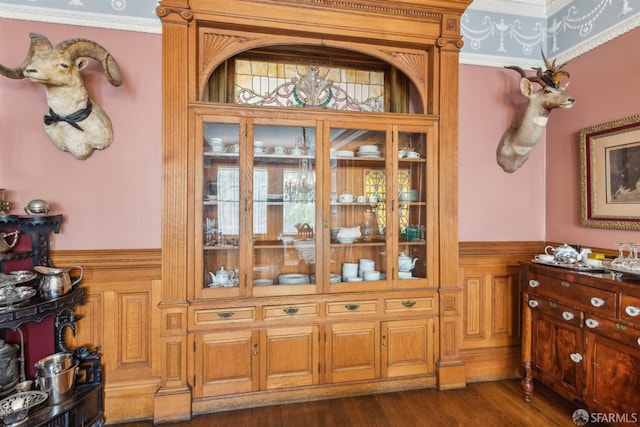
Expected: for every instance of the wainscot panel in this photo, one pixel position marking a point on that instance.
(121, 319)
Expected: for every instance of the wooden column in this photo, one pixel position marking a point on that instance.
(173, 400)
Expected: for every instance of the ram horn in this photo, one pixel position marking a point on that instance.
(91, 49)
(18, 72)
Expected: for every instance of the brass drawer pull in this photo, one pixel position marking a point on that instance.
(533, 303)
(591, 323)
(534, 283)
(632, 311)
(567, 315)
(226, 314)
(597, 302)
(576, 357)
(352, 307)
(408, 304)
(290, 311)
(564, 284)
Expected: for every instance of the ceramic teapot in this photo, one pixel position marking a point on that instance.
(222, 277)
(566, 254)
(405, 263)
(6, 246)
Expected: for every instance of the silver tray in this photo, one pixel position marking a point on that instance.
(16, 295)
(574, 267)
(14, 279)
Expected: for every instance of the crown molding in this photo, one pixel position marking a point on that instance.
(600, 39)
(57, 16)
(529, 8)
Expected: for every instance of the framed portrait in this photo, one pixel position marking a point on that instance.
(610, 174)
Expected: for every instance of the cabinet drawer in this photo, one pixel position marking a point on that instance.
(224, 315)
(569, 315)
(290, 311)
(630, 309)
(352, 307)
(616, 331)
(574, 294)
(426, 304)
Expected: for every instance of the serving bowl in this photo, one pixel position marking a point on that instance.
(14, 409)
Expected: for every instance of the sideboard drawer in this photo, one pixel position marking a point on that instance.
(352, 307)
(272, 312)
(630, 309)
(614, 330)
(574, 294)
(556, 310)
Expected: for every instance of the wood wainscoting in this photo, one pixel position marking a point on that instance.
(489, 274)
(121, 318)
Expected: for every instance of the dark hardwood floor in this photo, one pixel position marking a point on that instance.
(488, 404)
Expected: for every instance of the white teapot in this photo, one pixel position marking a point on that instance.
(567, 254)
(222, 277)
(405, 263)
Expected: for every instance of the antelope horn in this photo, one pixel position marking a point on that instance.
(533, 79)
(91, 49)
(18, 72)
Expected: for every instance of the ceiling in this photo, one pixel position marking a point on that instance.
(495, 32)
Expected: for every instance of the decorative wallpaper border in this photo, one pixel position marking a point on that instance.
(564, 29)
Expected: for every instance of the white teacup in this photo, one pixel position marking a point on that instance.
(345, 198)
(413, 155)
(593, 262)
(544, 258)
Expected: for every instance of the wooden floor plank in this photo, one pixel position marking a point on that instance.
(498, 403)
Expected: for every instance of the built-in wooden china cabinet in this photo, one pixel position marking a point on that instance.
(269, 211)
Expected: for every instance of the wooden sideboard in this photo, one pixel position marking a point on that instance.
(581, 337)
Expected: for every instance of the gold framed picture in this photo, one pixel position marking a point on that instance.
(610, 174)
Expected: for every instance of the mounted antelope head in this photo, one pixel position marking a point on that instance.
(517, 142)
(75, 123)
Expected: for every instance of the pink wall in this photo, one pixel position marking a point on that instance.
(113, 199)
(495, 205)
(605, 84)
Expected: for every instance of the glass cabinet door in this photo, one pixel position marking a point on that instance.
(412, 206)
(221, 219)
(357, 197)
(283, 247)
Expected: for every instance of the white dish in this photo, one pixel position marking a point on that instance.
(259, 150)
(294, 279)
(219, 149)
(355, 279)
(335, 278)
(344, 153)
(346, 240)
(370, 155)
(404, 274)
(262, 282)
(368, 148)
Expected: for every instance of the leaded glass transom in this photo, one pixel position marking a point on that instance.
(291, 85)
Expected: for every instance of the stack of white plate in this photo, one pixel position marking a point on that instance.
(344, 153)
(216, 145)
(294, 279)
(368, 151)
(259, 147)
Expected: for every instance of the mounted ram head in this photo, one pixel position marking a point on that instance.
(517, 142)
(75, 123)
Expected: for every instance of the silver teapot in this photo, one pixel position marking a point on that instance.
(9, 373)
(6, 246)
